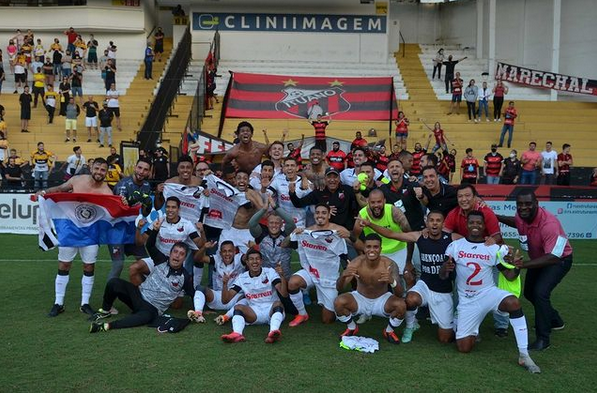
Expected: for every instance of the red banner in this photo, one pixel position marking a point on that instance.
(263, 96)
(544, 79)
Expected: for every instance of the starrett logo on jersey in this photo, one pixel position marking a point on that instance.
(258, 295)
(464, 254)
(296, 101)
(320, 247)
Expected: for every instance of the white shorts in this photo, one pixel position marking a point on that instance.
(217, 304)
(399, 258)
(441, 305)
(88, 253)
(371, 307)
(325, 295)
(150, 264)
(91, 122)
(240, 238)
(262, 314)
(472, 311)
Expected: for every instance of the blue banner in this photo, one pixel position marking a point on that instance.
(290, 22)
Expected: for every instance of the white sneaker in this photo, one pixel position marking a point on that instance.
(476, 121)
(528, 363)
(494, 119)
(487, 120)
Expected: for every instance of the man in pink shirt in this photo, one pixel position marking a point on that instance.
(542, 236)
(531, 160)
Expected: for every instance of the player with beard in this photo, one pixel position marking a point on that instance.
(247, 153)
(349, 175)
(336, 158)
(417, 154)
(276, 156)
(315, 169)
(430, 291)
(185, 177)
(374, 273)
(260, 286)
(435, 194)
(81, 184)
(472, 262)
(291, 182)
(265, 176)
(320, 262)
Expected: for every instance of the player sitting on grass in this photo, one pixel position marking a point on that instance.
(167, 279)
(261, 305)
(320, 248)
(225, 263)
(373, 273)
(430, 290)
(473, 264)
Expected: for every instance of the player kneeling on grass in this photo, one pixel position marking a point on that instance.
(320, 248)
(165, 282)
(473, 262)
(226, 263)
(261, 305)
(430, 290)
(373, 273)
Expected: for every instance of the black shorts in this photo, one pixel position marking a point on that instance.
(159, 47)
(21, 78)
(115, 111)
(456, 97)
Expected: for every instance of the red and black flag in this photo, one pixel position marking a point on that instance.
(261, 96)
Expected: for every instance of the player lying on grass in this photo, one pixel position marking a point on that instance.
(374, 273)
(472, 262)
(430, 290)
(226, 262)
(167, 279)
(259, 285)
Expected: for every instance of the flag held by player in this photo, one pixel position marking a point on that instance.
(77, 220)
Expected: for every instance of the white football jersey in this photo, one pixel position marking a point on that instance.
(319, 253)
(220, 268)
(259, 291)
(280, 186)
(191, 199)
(474, 266)
(224, 200)
(171, 233)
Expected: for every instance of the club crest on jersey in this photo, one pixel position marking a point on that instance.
(296, 101)
(265, 280)
(85, 213)
(180, 229)
(329, 239)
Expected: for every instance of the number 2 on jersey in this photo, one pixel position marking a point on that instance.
(477, 270)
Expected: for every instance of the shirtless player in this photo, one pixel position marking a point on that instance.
(373, 273)
(247, 153)
(88, 184)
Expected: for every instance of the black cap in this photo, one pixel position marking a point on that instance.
(332, 170)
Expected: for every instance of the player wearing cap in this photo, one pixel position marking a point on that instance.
(374, 273)
(259, 285)
(472, 262)
(321, 247)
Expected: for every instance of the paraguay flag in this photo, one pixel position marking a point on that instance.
(78, 220)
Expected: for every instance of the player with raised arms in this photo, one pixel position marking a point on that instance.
(374, 273)
(321, 247)
(473, 263)
(259, 285)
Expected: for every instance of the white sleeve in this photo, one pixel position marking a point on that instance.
(450, 251)
(273, 275)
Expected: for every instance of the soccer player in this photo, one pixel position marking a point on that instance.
(247, 153)
(226, 262)
(88, 184)
(320, 247)
(430, 290)
(473, 262)
(185, 177)
(259, 285)
(167, 280)
(291, 182)
(374, 273)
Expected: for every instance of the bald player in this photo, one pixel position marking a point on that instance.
(247, 153)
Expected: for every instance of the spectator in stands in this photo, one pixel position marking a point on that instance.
(74, 163)
(76, 81)
(42, 161)
(437, 64)
(508, 127)
(114, 154)
(381, 159)
(178, 11)
(319, 125)
(295, 152)
(112, 96)
(25, 101)
(565, 162)
(38, 86)
(161, 166)
(38, 49)
(549, 165)
(11, 51)
(13, 175)
(451, 161)
(3, 142)
(27, 49)
(91, 108)
(103, 60)
(484, 94)
(457, 84)
(112, 49)
(531, 161)
(148, 60)
(35, 64)
(114, 173)
(64, 90)
(67, 64)
(92, 45)
(358, 141)
(105, 117)
(402, 124)
(71, 35)
(336, 158)
(593, 181)
(48, 71)
(471, 93)
(4, 130)
(20, 72)
(57, 55)
(2, 73)
(159, 44)
(492, 165)
(109, 74)
(211, 88)
(440, 138)
(450, 65)
(512, 169)
(50, 98)
(18, 160)
(469, 169)
(78, 65)
(499, 91)
(70, 123)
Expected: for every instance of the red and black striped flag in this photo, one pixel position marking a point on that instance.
(261, 96)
